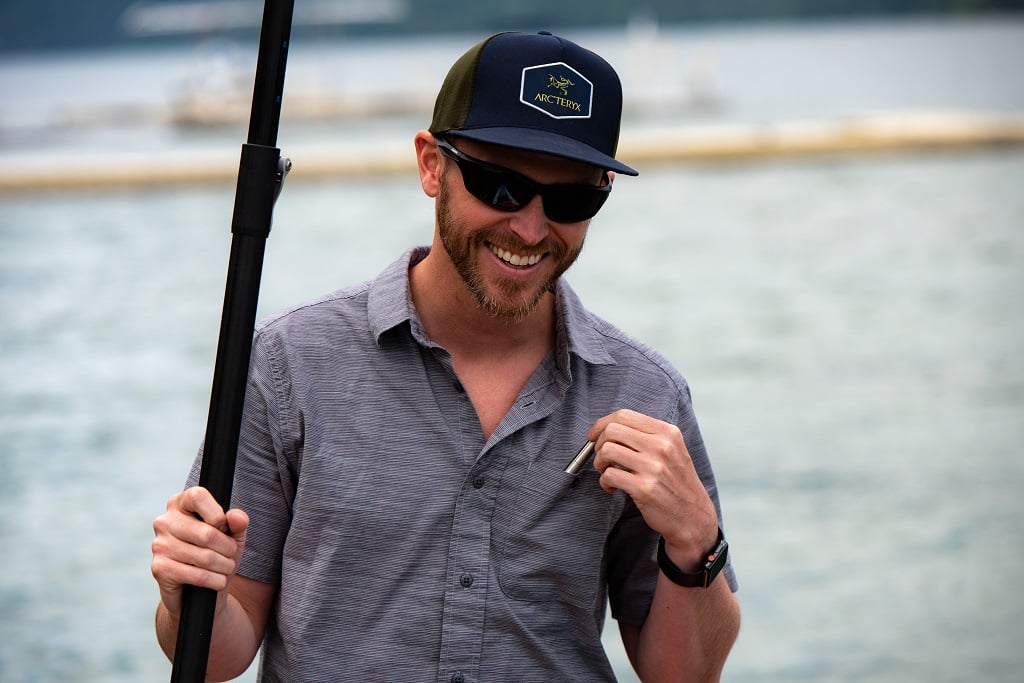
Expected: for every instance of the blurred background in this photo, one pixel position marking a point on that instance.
(827, 238)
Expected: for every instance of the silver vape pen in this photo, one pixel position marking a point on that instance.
(577, 463)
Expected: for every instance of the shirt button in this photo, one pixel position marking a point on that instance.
(466, 580)
(457, 677)
(478, 483)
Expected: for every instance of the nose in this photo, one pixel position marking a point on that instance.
(529, 223)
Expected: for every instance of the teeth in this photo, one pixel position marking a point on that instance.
(515, 259)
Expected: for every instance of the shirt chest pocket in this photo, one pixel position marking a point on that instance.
(551, 541)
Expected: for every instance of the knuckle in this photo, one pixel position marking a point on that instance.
(647, 487)
(158, 566)
(206, 535)
(194, 498)
(657, 469)
(624, 413)
(176, 502)
(616, 431)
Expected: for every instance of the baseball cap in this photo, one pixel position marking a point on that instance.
(536, 92)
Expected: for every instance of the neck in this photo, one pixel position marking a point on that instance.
(452, 317)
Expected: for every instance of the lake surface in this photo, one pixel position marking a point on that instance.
(851, 328)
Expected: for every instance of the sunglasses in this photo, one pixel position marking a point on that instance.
(506, 190)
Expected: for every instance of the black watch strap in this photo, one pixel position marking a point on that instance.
(702, 579)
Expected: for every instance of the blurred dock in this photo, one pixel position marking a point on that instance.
(25, 172)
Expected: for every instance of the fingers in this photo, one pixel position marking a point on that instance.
(634, 429)
(635, 442)
(196, 543)
(199, 501)
(637, 472)
(648, 459)
(194, 517)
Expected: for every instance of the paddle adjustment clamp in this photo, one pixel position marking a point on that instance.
(261, 174)
(284, 167)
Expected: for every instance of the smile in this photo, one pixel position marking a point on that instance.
(515, 259)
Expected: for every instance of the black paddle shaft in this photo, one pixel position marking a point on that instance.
(260, 174)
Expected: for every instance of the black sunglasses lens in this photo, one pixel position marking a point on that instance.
(572, 205)
(501, 190)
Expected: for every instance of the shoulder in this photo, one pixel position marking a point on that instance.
(318, 321)
(637, 358)
(607, 350)
(329, 307)
(370, 307)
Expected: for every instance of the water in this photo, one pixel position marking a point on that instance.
(851, 328)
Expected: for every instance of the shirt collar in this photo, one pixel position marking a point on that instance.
(390, 297)
(577, 331)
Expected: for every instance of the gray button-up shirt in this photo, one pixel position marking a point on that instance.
(407, 548)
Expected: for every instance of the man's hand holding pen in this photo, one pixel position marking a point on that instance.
(648, 459)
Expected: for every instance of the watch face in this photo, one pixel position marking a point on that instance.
(717, 560)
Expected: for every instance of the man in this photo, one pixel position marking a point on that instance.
(401, 507)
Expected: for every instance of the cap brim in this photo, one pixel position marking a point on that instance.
(544, 142)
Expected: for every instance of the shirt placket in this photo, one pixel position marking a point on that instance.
(468, 571)
(467, 583)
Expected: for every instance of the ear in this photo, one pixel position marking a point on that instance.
(429, 163)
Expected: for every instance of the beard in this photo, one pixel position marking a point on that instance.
(513, 300)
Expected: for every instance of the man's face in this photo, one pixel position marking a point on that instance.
(509, 260)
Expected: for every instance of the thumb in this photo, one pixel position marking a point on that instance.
(238, 526)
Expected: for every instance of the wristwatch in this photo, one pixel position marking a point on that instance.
(707, 574)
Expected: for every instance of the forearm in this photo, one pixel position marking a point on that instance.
(233, 644)
(688, 633)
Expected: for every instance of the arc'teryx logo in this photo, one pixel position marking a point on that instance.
(562, 84)
(558, 90)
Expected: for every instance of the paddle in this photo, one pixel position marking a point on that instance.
(261, 172)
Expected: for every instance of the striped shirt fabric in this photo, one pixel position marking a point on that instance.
(405, 546)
